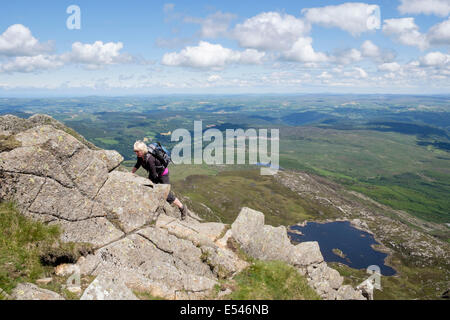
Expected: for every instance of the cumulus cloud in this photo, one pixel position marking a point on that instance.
(97, 54)
(389, 67)
(435, 59)
(92, 56)
(302, 51)
(353, 17)
(440, 33)
(348, 56)
(207, 55)
(18, 40)
(369, 49)
(32, 64)
(214, 25)
(372, 51)
(436, 7)
(270, 31)
(406, 32)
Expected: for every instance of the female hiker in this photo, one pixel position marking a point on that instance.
(157, 172)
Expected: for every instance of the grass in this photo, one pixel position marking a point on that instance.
(21, 242)
(8, 143)
(388, 167)
(228, 191)
(411, 282)
(271, 280)
(29, 250)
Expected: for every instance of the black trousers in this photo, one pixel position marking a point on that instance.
(165, 180)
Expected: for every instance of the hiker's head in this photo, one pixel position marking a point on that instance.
(140, 148)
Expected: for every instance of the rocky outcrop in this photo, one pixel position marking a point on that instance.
(56, 178)
(139, 244)
(268, 243)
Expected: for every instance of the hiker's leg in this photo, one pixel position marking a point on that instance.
(178, 203)
(171, 197)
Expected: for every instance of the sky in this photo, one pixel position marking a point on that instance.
(135, 47)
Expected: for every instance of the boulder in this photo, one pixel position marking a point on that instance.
(324, 273)
(271, 243)
(107, 288)
(29, 291)
(306, 253)
(132, 200)
(156, 262)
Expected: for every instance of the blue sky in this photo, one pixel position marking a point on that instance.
(153, 47)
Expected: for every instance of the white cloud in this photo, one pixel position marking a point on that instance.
(435, 59)
(270, 31)
(17, 40)
(214, 25)
(31, 64)
(437, 7)
(361, 73)
(372, 51)
(207, 55)
(302, 51)
(97, 54)
(389, 67)
(406, 32)
(214, 78)
(440, 33)
(325, 75)
(354, 18)
(348, 56)
(369, 49)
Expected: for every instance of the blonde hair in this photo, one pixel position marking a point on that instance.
(140, 146)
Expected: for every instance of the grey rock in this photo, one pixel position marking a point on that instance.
(66, 269)
(183, 230)
(327, 274)
(12, 124)
(306, 253)
(34, 161)
(132, 200)
(107, 288)
(97, 231)
(170, 268)
(29, 291)
(111, 158)
(258, 240)
(346, 292)
(269, 243)
(224, 263)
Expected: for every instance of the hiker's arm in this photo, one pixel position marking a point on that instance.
(137, 165)
(152, 166)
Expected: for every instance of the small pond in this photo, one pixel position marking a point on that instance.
(354, 245)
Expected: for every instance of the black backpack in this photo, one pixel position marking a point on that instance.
(160, 153)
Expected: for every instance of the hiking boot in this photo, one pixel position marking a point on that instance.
(183, 212)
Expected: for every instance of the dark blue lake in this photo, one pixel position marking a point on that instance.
(354, 243)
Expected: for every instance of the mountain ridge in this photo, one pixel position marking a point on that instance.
(138, 241)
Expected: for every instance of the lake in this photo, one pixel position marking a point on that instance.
(354, 244)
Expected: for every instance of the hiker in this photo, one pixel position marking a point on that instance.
(157, 173)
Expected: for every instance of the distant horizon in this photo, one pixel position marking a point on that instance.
(218, 95)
